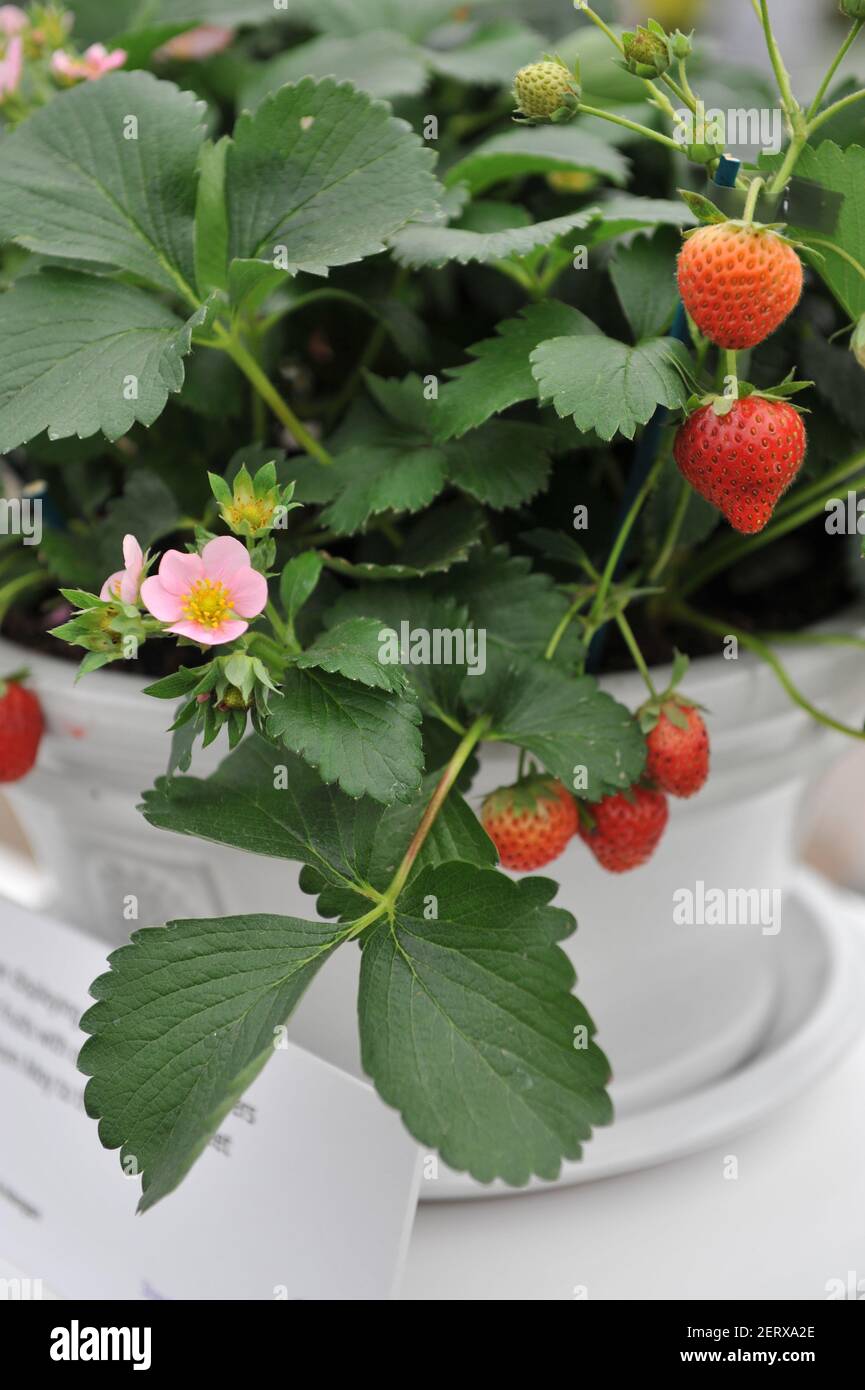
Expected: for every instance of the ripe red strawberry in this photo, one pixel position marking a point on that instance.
(743, 461)
(738, 283)
(678, 760)
(531, 822)
(627, 828)
(21, 726)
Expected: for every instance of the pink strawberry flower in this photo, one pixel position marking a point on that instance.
(95, 63)
(196, 44)
(11, 67)
(12, 20)
(125, 584)
(207, 597)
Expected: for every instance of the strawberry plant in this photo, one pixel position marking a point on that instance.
(342, 347)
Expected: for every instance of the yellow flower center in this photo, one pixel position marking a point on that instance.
(208, 603)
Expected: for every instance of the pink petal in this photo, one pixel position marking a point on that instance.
(223, 557)
(248, 590)
(161, 602)
(178, 571)
(210, 636)
(129, 582)
(112, 586)
(133, 555)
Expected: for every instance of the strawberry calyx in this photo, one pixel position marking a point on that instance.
(723, 403)
(533, 793)
(670, 702)
(15, 678)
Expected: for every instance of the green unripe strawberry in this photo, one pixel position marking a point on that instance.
(854, 9)
(647, 51)
(547, 91)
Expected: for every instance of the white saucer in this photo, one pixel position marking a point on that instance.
(817, 1012)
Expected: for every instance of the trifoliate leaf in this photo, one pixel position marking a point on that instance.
(610, 387)
(80, 353)
(841, 171)
(321, 176)
(468, 1025)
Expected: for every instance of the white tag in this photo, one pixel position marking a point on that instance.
(307, 1192)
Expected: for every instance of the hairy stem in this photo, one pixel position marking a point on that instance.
(633, 647)
(668, 545)
(452, 771)
(631, 125)
(851, 38)
(756, 645)
(265, 388)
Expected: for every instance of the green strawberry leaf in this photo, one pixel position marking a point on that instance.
(322, 176)
(353, 649)
(644, 274)
(620, 213)
(185, 1020)
(842, 171)
(105, 174)
(367, 741)
(530, 150)
(609, 387)
(211, 222)
(501, 375)
(442, 537)
(468, 1025)
(354, 18)
(381, 63)
(266, 801)
(570, 725)
(428, 244)
(298, 582)
(491, 55)
(80, 354)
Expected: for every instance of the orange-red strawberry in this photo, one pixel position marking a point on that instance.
(678, 749)
(743, 461)
(531, 822)
(21, 726)
(738, 283)
(626, 828)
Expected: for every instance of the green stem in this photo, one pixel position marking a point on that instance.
(562, 627)
(283, 412)
(633, 647)
(760, 649)
(782, 178)
(751, 201)
(669, 543)
(822, 487)
(834, 109)
(836, 63)
(789, 102)
(314, 297)
(458, 759)
(13, 590)
(631, 125)
(621, 539)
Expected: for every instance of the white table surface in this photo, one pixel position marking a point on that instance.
(793, 1219)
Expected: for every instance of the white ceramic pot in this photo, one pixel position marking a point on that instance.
(675, 1005)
